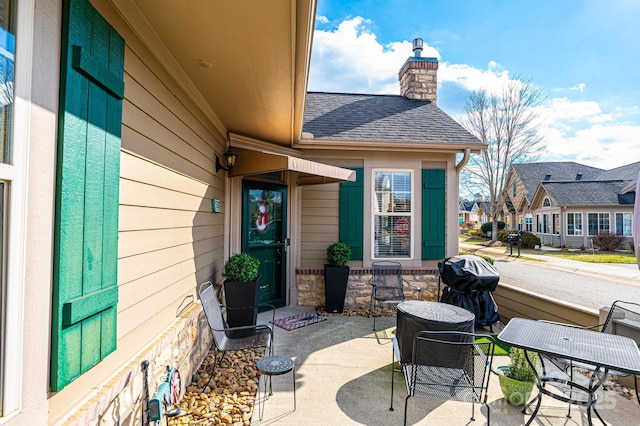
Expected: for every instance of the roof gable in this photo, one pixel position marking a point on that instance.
(584, 193)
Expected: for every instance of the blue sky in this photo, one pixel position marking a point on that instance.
(584, 55)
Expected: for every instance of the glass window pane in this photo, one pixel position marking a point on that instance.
(392, 236)
(392, 214)
(593, 223)
(7, 52)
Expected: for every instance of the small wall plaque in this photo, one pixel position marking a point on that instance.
(216, 206)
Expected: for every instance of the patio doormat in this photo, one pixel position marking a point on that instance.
(296, 321)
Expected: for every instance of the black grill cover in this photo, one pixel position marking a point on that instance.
(468, 273)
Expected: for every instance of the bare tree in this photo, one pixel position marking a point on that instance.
(508, 122)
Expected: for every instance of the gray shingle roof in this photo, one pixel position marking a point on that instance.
(342, 116)
(581, 193)
(627, 173)
(532, 174)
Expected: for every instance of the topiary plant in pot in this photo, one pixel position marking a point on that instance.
(241, 292)
(336, 276)
(517, 378)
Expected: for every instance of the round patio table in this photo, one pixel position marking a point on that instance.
(415, 316)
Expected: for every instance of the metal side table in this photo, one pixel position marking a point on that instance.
(275, 365)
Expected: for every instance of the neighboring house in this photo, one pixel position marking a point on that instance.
(474, 212)
(522, 182)
(113, 209)
(572, 203)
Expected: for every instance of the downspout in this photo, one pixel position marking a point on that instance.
(465, 160)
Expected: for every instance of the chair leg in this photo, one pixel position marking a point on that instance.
(392, 377)
(406, 400)
(473, 411)
(635, 385)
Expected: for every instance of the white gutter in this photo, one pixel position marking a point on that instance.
(464, 161)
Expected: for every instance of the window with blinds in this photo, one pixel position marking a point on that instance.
(392, 213)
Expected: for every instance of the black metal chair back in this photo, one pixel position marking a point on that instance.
(449, 365)
(262, 335)
(387, 286)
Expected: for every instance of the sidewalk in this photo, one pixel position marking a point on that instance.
(626, 272)
(343, 377)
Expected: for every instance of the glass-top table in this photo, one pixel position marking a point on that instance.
(604, 351)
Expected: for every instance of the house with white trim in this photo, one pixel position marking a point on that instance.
(116, 199)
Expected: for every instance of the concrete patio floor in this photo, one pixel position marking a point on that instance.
(343, 377)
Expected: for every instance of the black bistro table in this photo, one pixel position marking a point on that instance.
(602, 350)
(414, 316)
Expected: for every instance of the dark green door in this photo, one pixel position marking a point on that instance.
(264, 236)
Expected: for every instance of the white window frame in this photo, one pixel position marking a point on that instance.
(528, 223)
(15, 177)
(410, 215)
(555, 223)
(575, 232)
(598, 216)
(630, 222)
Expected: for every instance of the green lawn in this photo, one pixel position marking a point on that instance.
(594, 257)
(582, 256)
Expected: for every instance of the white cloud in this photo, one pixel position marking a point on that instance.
(492, 79)
(322, 19)
(577, 88)
(564, 109)
(349, 59)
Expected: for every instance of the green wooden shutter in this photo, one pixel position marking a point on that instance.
(85, 291)
(433, 214)
(352, 214)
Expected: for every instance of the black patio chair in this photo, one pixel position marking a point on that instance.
(623, 319)
(448, 365)
(387, 286)
(261, 336)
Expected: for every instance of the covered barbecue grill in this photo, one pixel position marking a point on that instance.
(469, 281)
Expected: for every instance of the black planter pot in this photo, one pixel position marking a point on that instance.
(336, 279)
(242, 305)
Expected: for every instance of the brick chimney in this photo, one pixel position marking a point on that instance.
(419, 76)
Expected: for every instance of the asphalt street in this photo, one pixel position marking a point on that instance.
(586, 284)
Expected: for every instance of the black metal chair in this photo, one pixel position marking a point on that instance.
(449, 365)
(387, 286)
(623, 319)
(262, 335)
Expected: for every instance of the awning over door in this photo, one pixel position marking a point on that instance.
(250, 162)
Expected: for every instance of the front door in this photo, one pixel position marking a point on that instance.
(264, 207)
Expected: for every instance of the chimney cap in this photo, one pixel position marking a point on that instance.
(417, 46)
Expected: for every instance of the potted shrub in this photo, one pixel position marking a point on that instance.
(336, 276)
(241, 292)
(517, 378)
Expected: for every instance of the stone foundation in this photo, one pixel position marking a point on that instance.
(310, 286)
(183, 346)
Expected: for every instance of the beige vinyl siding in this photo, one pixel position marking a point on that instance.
(319, 223)
(167, 183)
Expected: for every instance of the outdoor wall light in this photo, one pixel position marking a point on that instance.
(229, 160)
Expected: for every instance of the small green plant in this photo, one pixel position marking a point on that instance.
(519, 368)
(488, 226)
(241, 267)
(338, 254)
